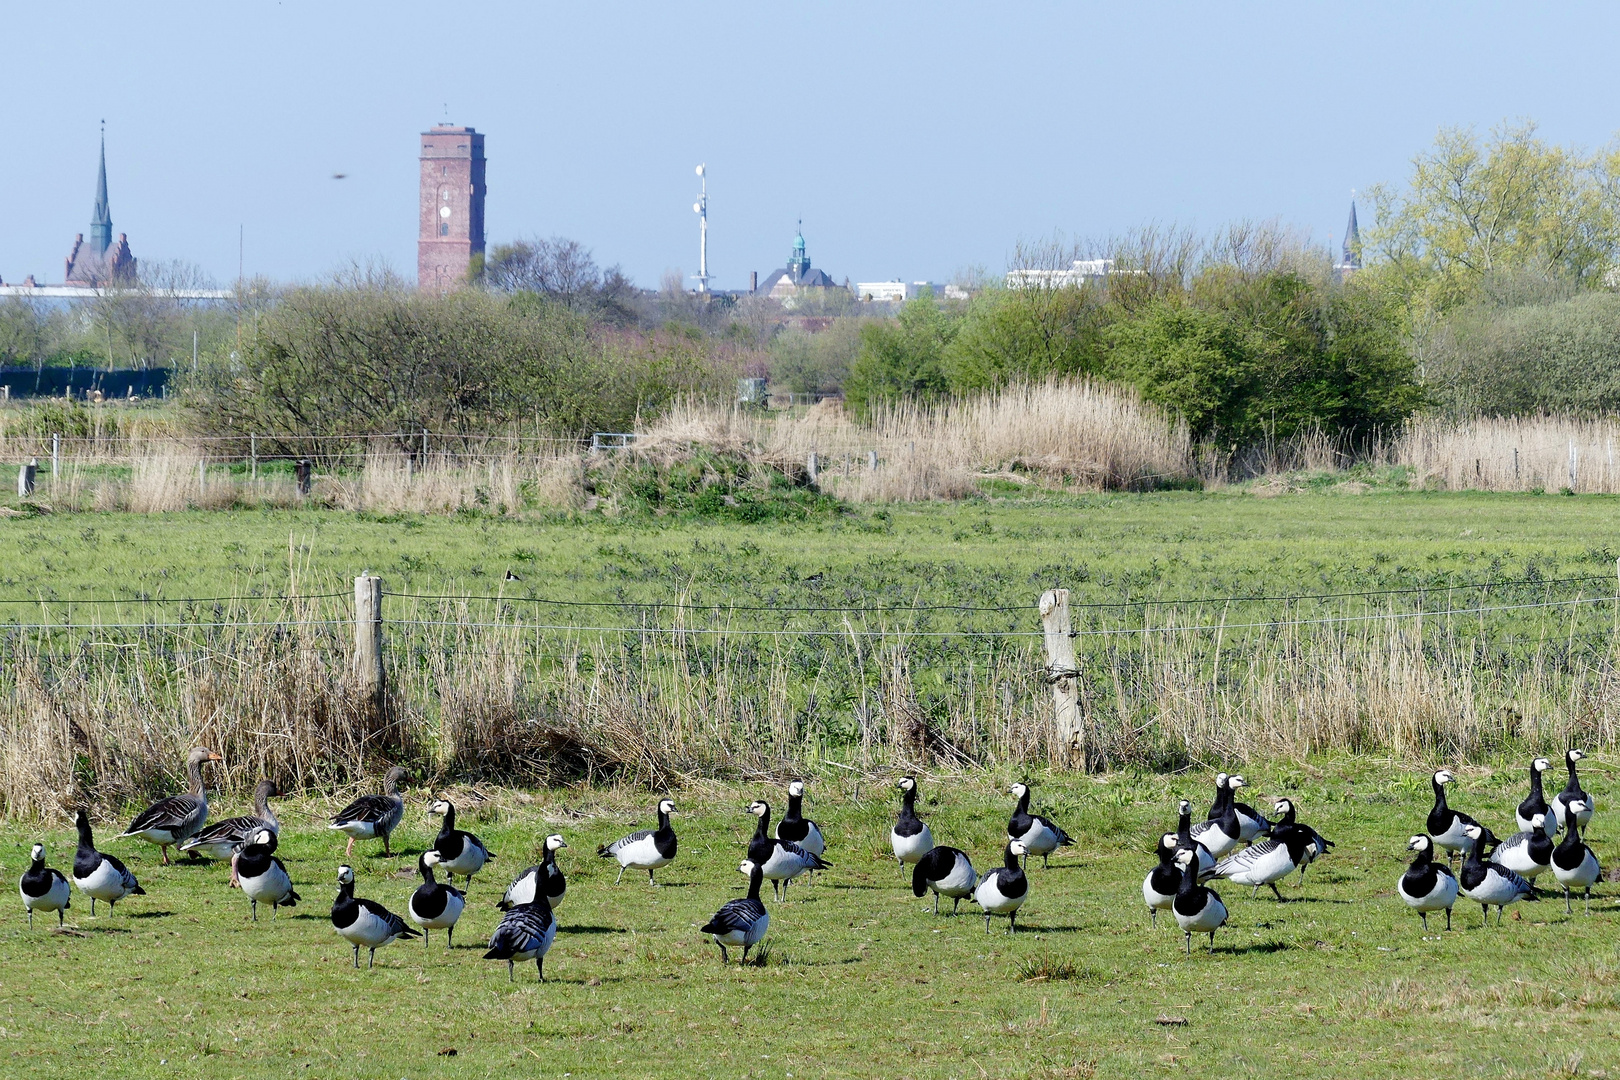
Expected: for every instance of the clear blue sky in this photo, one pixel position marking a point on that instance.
(912, 139)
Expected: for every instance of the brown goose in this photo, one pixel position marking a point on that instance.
(172, 821)
(371, 816)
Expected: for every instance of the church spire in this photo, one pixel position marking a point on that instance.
(101, 223)
(1351, 259)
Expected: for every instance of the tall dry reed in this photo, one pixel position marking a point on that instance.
(1513, 453)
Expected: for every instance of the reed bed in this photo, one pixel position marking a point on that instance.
(1533, 453)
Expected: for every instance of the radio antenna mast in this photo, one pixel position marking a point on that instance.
(701, 208)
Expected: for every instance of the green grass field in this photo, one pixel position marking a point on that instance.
(860, 980)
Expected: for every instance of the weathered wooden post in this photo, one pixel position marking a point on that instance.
(368, 661)
(871, 460)
(810, 464)
(302, 473)
(1064, 676)
(25, 478)
(56, 457)
(253, 455)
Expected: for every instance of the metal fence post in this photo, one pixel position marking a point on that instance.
(25, 478)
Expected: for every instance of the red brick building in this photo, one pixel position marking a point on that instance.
(451, 226)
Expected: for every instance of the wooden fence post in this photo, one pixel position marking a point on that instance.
(25, 478)
(810, 464)
(1064, 676)
(368, 661)
(253, 455)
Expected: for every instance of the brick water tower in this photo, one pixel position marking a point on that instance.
(451, 229)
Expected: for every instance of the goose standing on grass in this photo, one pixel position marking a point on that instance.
(1427, 885)
(1489, 883)
(910, 839)
(1448, 827)
(1319, 845)
(525, 933)
(1269, 861)
(1573, 863)
(1251, 822)
(371, 816)
(433, 906)
(1536, 802)
(779, 860)
(43, 888)
(795, 827)
(1163, 881)
(741, 923)
(364, 922)
(1526, 853)
(263, 876)
(221, 840)
(1185, 842)
(173, 821)
(646, 850)
(947, 872)
(455, 851)
(1571, 793)
(1198, 910)
(1002, 891)
(1040, 836)
(98, 876)
(544, 880)
(1221, 833)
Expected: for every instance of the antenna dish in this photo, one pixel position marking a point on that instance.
(700, 169)
(697, 208)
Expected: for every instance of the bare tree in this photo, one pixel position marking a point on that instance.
(562, 270)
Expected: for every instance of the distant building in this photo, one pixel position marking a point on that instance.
(100, 261)
(786, 283)
(451, 219)
(1078, 273)
(1350, 256)
(891, 292)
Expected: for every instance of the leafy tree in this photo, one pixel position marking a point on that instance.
(903, 358)
(1026, 334)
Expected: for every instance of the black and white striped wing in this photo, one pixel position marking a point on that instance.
(735, 916)
(625, 841)
(522, 930)
(1247, 859)
(811, 859)
(386, 917)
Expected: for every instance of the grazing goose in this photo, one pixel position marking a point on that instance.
(433, 906)
(542, 880)
(1221, 834)
(1448, 827)
(1163, 881)
(1041, 836)
(1573, 863)
(43, 888)
(1251, 822)
(223, 839)
(1526, 853)
(1269, 861)
(910, 839)
(173, 821)
(741, 922)
(263, 876)
(645, 850)
(454, 851)
(1536, 803)
(525, 933)
(98, 876)
(1319, 845)
(1487, 882)
(1002, 891)
(1198, 910)
(371, 816)
(797, 828)
(946, 871)
(1185, 842)
(1572, 791)
(1427, 885)
(364, 922)
(779, 860)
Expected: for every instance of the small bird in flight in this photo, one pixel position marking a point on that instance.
(339, 175)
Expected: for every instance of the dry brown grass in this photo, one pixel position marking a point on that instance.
(1513, 453)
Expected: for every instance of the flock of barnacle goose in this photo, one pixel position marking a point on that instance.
(1493, 873)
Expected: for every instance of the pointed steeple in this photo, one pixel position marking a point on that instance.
(101, 222)
(1351, 259)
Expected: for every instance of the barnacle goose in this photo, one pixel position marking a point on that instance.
(910, 839)
(741, 922)
(525, 933)
(1041, 836)
(645, 850)
(946, 871)
(544, 880)
(223, 839)
(364, 922)
(779, 860)
(263, 876)
(797, 828)
(1487, 882)
(1427, 885)
(1319, 845)
(1221, 833)
(98, 876)
(371, 816)
(1573, 863)
(455, 851)
(1198, 910)
(1251, 822)
(1002, 891)
(175, 820)
(1536, 802)
(434, 906)
(1526, 853)
(1448, 827)
(1160, 886)
(1572, 791)
(1270, 860)
(43, 888)
(1185, 841)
